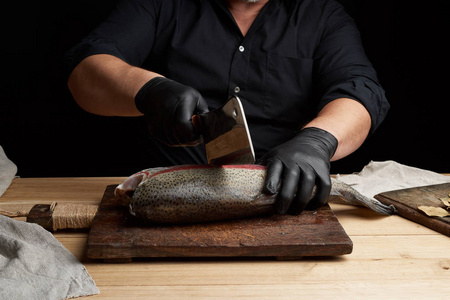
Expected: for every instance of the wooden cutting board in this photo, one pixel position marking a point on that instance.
(116, 235)
(406, 202)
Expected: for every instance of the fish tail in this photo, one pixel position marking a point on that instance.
(353, 197)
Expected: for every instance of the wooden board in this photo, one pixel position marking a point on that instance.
(407, 200)
(116, 235)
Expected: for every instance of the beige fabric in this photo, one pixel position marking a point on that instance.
(8, 171)
(378, 177)
(35, 265)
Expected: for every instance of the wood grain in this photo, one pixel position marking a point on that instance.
(115, 234)
(406, 202)
(41, 214)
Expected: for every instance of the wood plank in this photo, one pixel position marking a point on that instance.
(33, 191)
(116, 235)
(370, 246)
(399, 275)
(361, 221)
(394, 267)
(176, 273)
(401, 247)
(407, 200)
(333, 289)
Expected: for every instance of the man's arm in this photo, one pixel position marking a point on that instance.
(106, 85)
(346, 119)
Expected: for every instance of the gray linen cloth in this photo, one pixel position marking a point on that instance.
(378, 177)
(35, 265)
(7, 171)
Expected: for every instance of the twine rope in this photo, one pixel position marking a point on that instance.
(72, 216)
(64, 216)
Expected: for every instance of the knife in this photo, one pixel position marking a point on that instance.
(225, 134)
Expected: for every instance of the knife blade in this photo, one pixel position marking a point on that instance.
(225, 134)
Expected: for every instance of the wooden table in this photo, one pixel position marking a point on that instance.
(392, 258)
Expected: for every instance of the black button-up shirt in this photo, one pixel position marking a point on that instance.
(297, 56)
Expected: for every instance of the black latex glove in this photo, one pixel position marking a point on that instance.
(168, 107)
(297, 166)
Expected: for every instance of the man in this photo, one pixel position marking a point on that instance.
(309, 92)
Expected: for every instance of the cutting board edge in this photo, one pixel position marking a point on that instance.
(407, 212)
(102, 252)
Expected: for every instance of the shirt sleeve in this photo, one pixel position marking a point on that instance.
(342, 68)
(128, 33)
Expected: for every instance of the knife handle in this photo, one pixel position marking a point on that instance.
(196, 122)
(62, 216)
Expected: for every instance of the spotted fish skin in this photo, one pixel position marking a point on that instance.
(203, 193)
(193, 194)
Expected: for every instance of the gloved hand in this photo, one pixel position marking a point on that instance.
(168, 107)
(296, 166)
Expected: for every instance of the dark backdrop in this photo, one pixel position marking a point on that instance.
(46, 134)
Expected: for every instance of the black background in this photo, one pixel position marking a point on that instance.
(45, 133)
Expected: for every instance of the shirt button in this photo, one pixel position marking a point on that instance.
(241, 48)
(237, 89)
